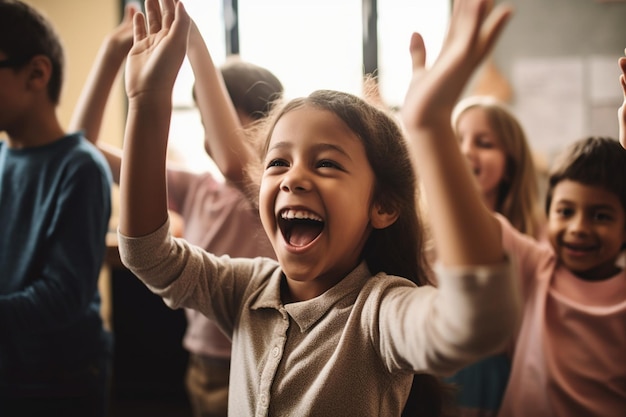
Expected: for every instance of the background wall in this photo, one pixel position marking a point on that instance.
(82, 25)
(556, 64)
(560, 58)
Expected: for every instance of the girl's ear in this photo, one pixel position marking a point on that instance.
(382, 217)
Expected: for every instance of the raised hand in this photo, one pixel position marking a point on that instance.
(465, 232)
(159, 47)
(151, 69)
(121, 38)
(474, 28)
(621, 112)
(89, 111)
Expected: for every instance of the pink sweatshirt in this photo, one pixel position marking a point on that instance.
(570, 353)
(219, 219)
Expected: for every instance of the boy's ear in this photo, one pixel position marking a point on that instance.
(40, 70)
(382, 217)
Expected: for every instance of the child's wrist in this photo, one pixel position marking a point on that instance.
(116, 48)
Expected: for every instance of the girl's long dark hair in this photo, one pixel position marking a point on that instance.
(398, 249)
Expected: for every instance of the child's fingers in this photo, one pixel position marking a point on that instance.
(168, 13)
(182, 21)
(153, 13)
(622, 77)
(418, 51)
(493, 26)
(139, 27)
(466, 18)
(129, 11)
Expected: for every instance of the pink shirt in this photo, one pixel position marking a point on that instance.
(570, 353)
(218, 218)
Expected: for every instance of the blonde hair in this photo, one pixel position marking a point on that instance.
(518, 192)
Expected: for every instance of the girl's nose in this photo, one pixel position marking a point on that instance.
(296, 180)
(466, 147)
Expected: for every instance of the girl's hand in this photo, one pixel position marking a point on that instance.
(474, 28)
(121, 38)
(158, 49)
(621, 112)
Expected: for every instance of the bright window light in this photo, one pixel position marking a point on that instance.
(397, 20)
(309, 45)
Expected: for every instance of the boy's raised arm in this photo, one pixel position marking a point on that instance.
(224, 139)
(159, 47)
(465, 231)
(621, 112)
(91, 105)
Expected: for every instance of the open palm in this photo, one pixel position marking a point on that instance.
(159, 47)
(474, 28)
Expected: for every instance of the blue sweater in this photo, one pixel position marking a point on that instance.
(55, 204)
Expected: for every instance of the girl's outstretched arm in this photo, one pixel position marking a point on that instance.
(224, 139)
(621, 113)
(92, 102)
(159, 47)
(465, 231)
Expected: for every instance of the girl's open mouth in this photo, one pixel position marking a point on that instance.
(300, 227)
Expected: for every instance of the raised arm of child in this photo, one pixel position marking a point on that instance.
(160, 44)
(91, 104)
(621, 113)
(224, 140)
(465, 231)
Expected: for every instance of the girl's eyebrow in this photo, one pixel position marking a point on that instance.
(279, 145)
(331, 147)
(318, 147)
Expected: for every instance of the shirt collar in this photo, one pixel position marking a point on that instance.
(307, 313)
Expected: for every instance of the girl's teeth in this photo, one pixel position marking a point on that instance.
(299, 214)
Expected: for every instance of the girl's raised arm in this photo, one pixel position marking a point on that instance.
(89, 110)
(621, 113)
(224, 139)
(159, 47)
(465, 231)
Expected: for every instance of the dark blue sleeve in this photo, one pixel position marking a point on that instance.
(70, 254)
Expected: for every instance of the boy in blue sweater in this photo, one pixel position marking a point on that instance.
(54, 210)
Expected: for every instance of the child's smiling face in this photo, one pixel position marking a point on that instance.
(485, 152)
(586, 227)
(315, 199)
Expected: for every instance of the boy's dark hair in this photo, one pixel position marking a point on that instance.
(252, 89)
(25, 33)
(593, 161)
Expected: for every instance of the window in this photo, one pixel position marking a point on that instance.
(309, 45)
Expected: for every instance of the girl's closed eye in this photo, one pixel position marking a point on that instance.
(485, 143)
(276, 162)
(327, 163)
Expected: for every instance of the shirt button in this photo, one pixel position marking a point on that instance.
(264, 400)
(275, 351)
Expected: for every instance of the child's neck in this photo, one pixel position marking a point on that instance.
(600, 273)
(35, 133)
